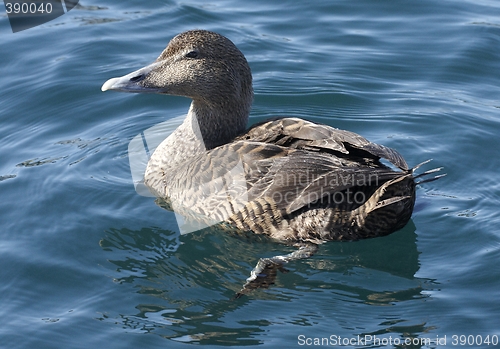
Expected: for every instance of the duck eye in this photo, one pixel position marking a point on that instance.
(192, 54)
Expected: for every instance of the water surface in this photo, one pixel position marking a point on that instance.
(87, 262)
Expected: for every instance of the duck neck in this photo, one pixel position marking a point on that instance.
(215, 124)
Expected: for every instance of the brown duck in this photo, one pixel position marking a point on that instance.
(294, 180)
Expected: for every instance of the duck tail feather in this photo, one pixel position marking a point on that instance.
(427, 180)
(426, 173)
(419, 165)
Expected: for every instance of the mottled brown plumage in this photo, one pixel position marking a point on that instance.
(288, 178)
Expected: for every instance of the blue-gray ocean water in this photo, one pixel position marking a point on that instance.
(86, 262)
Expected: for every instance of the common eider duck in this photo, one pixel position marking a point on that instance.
(297, 181)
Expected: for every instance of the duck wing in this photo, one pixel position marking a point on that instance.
(232, 178)
(303, 134)
(299, 177)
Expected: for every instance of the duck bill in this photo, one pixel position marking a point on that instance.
(133, 82)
